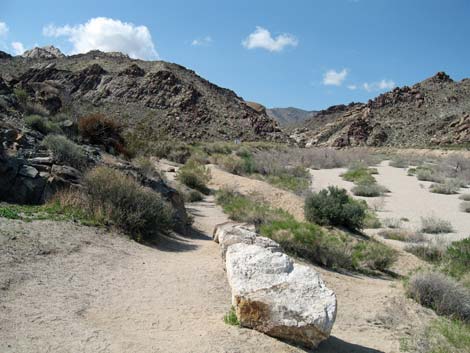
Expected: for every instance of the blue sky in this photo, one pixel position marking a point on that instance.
(304, 53)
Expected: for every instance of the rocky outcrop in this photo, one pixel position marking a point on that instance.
(152, 100)
(270, 292)
(432, 112)
(47, 52)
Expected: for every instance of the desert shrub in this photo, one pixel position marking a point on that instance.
(392, 223)
(359, 174)
(441, 293)
(465, 206)
(465, 197)
(371, 220)
(426, 173)
(441, 336)
(327, 158)
(333, 206)
(457, 258)
(448, 187)
(65, 151)
(146, 166)
(434, 225)
(194, 196)
(219, 148)
(374, 255)
(367, 189)
(308, 241)
(99, 130)
(41, 124)
(402, 235)
(244, 209)
(427, 251)
(139, 211)
(399, 162)
(195, 176)
(232, 164)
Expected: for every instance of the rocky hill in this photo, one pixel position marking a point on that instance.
(153, 99)
(433, 112)
(290, 116)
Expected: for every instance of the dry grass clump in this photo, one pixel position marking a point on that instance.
(435, 225)
(369, 190)
(42, 124)
(448, 187)
(65, 151)
(426, 173)
(402, 235)
(441, 293)
(465, 206)
(392, 223)
(465, 197)
(399, 162)
(430, 252)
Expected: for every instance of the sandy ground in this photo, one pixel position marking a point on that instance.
(409, 198)
(276, 197)
(69, 288)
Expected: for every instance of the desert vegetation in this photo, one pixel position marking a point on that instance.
(65, 151)
(435, 225)
(331, 248)
(195, 176)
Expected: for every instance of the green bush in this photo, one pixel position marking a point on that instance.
(441, 336)
(42, 124)
(334, 207)
(371, 221)
(457, 258)
(231, 317)
(194, 196)
(425, 173)
(195, 176)
(66, 151)
(308, 241)
(139, 211)
(374, 255)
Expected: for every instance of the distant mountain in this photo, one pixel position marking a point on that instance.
(153, 100)
(290, 116)
(435, 111)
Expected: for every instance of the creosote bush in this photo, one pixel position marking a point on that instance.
(367, 189)
(448, 187)
(334, 207)
(139, 211)
(65, 151)
(195, 176)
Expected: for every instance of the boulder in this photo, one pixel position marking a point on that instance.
(278, 297)
(229, 233)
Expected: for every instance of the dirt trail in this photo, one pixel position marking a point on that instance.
(68, 288)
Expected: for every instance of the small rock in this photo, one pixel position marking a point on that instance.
(28, 171)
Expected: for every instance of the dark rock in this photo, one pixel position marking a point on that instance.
(28, 171)
(4, 55)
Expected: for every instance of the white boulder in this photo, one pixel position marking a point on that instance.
(278, 297)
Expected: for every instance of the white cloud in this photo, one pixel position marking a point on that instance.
(107, 34)
(202, 42)
(379, 86)
(261, 38)
(334, 78)
(18, 48)
(352, 87)
(3, 30)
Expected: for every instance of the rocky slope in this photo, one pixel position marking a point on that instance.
(287, 117)
(153, 99)
(435, 111)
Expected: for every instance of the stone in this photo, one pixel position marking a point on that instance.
(47, 52)
(229, 233)
(278, 297)
(28, 171)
